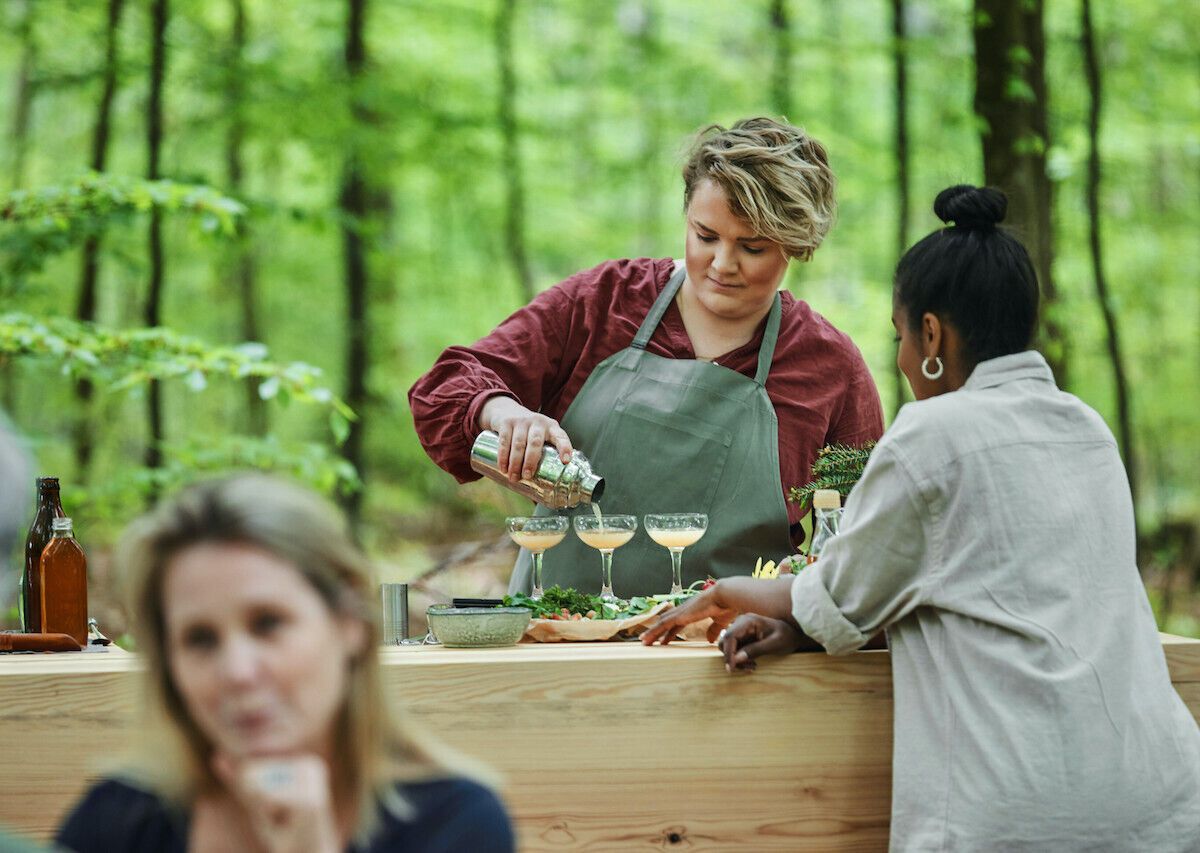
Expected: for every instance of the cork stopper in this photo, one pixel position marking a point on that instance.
(827, 499)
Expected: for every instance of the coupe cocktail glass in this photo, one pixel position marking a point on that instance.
(537, 534)
(606, 534)
(676, 531)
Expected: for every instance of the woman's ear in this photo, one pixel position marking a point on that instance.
(931, 334)
(354, 635)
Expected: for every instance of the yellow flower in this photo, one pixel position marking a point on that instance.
(765, 570)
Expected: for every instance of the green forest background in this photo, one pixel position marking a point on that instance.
(349, 187)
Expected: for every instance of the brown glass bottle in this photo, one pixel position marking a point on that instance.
(49, 507)
(64, 584)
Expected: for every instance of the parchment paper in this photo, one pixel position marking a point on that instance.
(593, 630)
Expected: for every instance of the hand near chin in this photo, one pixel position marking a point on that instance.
(287, 800)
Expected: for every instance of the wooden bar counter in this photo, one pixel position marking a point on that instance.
(603, 746)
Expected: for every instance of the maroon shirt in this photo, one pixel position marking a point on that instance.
(542, 355)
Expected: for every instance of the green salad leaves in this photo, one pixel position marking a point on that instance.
(559, 603)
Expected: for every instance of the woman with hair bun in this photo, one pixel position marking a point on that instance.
(991, 536)
(692, 385)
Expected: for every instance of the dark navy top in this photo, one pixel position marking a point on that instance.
(449, 816)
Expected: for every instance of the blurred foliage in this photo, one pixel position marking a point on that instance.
(119, 360)
(35, 225)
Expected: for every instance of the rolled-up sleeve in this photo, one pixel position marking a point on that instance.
(522, 358)
(876, 570)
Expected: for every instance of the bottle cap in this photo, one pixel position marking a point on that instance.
(58, 524)
(827, 499)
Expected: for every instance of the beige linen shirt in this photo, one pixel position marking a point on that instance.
(992, 536)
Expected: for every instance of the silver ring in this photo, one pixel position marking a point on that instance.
(721, 636)
(277, 776)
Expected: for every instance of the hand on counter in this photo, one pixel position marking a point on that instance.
(523, 434)
(751, 636)
(707, 604)
(722, 603)
(286, 799)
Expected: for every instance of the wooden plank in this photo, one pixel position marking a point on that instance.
(600, 746)
(1183, 657)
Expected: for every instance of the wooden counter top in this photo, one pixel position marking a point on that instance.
(603, 746)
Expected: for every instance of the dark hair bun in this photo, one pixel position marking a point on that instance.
(971, 207)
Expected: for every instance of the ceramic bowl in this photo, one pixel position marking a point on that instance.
(477, 627)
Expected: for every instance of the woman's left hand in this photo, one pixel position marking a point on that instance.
(752, 636)
(287, 800)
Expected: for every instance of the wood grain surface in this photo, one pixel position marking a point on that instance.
(606, 746)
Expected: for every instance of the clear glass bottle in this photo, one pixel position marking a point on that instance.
(64, 584)
(49, 507)
(827, 506)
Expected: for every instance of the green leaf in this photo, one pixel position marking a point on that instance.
(269, 389)
(339, 426)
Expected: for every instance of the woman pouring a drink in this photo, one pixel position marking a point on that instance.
(693, 386)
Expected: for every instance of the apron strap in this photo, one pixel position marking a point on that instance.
(659, 308)
(766, 351)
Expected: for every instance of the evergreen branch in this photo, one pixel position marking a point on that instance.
(837, 467)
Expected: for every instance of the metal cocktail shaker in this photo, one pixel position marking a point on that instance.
(554, 486)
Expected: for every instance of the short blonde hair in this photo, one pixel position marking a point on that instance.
(775, 176)
(372, 747)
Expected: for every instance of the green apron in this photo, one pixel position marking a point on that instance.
(674, 435)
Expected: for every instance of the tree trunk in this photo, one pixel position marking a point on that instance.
(900, 90)
(514, 224)
(781, 70)
(89, 272)
(361, 201)
(839, 115)
(160, 12)
(1122, 390)
(245, 267)
(23, 93)
(1011, 100)
(650, 63)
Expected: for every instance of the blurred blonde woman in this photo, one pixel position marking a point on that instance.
(267, 725)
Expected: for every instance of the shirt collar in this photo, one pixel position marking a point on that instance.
(1009, 368)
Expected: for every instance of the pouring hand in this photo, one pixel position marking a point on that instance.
(752, 636)
(286, 799)
(523, 434)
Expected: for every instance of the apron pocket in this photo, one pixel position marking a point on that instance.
(649, 447)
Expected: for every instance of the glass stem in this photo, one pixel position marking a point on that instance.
(536, 593)
(676, 570)
(606, 590)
